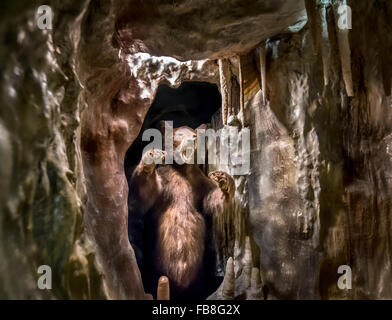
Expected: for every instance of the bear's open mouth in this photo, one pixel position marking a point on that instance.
(192, 104)
(187, 152)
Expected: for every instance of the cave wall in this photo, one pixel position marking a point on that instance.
(42, 190)
(320, 190)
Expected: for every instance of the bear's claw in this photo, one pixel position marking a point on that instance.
(224, 181)
(154, 156)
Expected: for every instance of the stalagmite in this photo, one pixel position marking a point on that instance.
(263, 75)
(229, 281)
(248, 264)
(345, 51)
(225, 84)
(163, 292)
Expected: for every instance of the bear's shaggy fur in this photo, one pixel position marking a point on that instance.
(178, 205)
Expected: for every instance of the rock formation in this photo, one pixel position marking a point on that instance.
(314, 90)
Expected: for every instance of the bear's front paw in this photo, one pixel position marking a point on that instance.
(224, 181)
(153, 157)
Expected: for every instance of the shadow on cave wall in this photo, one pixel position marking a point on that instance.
(192, 104)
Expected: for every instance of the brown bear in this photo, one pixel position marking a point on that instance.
(178, 205)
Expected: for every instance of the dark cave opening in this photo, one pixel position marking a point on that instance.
(191, 104)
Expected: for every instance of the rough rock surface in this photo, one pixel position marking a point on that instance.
(319, 190)
(214, 29)
(42, 192)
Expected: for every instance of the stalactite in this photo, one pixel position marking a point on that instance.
(344, 50)
(316, 12)
(311, 10)
(325, 46)
(225, 84)
(241, 91)
(263, 75)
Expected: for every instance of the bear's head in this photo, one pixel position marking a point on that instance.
(184, 143)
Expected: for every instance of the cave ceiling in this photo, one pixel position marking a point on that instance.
(194, 30)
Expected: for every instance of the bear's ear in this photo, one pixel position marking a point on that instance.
(202, 126)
